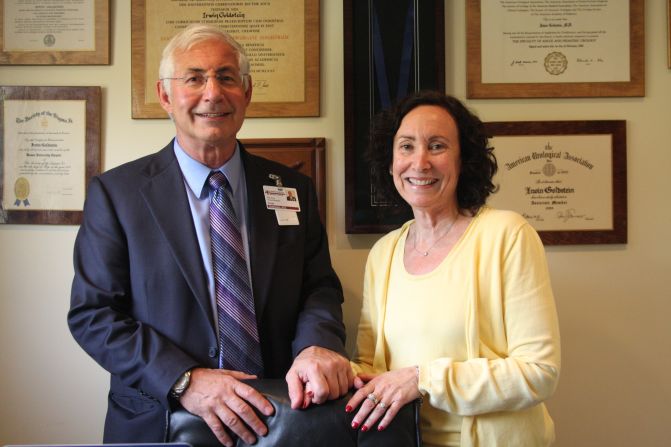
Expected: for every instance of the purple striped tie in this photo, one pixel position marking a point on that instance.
(239, 347)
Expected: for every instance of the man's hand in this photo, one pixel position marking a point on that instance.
(317, 375)
(218, 396)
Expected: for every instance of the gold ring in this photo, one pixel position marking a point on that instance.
(372, 397)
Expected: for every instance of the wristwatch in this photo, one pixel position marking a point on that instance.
(181, 385)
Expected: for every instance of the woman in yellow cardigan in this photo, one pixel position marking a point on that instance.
(458, 307)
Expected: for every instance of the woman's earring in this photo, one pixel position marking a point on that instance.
(390, 173)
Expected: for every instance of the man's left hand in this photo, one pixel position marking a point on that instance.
(317, 375)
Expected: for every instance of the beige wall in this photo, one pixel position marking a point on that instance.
(614, 301)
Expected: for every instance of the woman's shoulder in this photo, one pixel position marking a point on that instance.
(494, 220)
(387, 242)
(504, 217)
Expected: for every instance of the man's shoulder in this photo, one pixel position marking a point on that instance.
(141, 167)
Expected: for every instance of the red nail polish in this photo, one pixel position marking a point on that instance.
(380, 427)
(348, 409)
(364, 428)
(355, 425)
(310, 393)
(305, 404)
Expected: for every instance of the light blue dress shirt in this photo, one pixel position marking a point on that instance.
(199, 193)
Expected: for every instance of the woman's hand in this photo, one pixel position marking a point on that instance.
(380, 397)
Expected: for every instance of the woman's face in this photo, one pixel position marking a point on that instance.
(426, 159)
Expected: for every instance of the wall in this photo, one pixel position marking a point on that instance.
(613, 301)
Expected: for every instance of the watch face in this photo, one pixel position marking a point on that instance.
(182, 383)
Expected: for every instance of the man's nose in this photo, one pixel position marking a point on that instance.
(212, 88)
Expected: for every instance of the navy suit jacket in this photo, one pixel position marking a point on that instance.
(140, 304)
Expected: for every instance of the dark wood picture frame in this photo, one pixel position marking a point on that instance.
(91, 151)
(476, 89)
(99, 56)
(142, 108)
(407, 38)
(617, 130)
(306, 155)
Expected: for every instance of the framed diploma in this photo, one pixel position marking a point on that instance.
(281, 38)
(54, 32)
(555, 48)
(392, 48)
(567, 178)
(49, 151)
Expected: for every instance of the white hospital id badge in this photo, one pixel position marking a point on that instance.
(281, 198)
(286, 217)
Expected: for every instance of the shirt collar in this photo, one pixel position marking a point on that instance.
(195, 173)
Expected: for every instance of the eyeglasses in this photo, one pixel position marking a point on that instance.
(196, 81)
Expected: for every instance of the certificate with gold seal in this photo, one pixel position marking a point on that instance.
(565, 178)
(44, 153)
(555, 41)
(44, 156)
(54, 32)
(555, 48)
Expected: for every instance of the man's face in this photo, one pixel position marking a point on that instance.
(209, 114)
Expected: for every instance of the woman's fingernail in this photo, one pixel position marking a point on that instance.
(355, 425)
(380, 427)
(364, 428)
(348, 409)
(305, 404)
(310, 393)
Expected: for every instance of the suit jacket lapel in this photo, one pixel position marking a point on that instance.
(166, 198)
(263, 230)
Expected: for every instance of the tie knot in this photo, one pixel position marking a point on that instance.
(217, 180)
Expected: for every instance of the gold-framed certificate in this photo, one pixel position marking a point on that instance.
(280, 37)
(49, 150)
(567, 178)
(555, 48)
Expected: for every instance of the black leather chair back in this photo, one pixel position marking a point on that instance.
(325, 425)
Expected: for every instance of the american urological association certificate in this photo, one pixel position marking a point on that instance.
(49, 25)
(44, 155)
(531, 41)
(557, 182)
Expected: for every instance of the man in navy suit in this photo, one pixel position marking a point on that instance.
(143, 302)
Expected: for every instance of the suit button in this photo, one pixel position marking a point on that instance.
(212, 352)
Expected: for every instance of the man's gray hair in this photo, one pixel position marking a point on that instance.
(189, 37)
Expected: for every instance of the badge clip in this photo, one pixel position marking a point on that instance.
(276, 178)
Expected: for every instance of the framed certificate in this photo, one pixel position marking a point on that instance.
(392, 48)
(49, 151)
(567, 178)
(555, 48)
(54, 32)
(281, 38)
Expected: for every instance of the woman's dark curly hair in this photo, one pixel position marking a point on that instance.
(478, 164)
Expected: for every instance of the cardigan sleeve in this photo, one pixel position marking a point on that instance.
(515, 361)
(363, 358)
(370, 354)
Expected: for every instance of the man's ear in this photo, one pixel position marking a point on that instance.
(163, 97)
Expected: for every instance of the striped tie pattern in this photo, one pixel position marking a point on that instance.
(238, 335)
